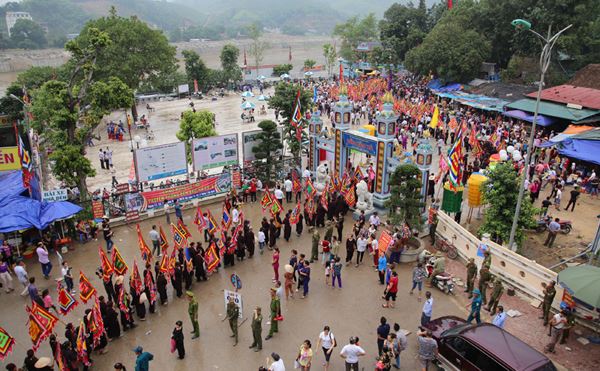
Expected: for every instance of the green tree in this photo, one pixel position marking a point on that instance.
(27, 34)
(451, 52)
(66, 113)
(405, 199)
(258, 46)
(10, 106)
(309, 64)
(165, 83)
(283, 100)
(330, 55)
(402, 28)
(199, 124)
(267, 148)
(280, 69)
(195, 68)
(137, 53)
(229, 62)
(500, 194)
(34, 77)
(354, 31)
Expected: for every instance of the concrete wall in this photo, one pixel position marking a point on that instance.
(525, 275)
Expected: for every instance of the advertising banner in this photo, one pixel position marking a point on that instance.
(249, 140)
(55, 195)
(9, 158)
(160, 161)
(203, 188)
(360, 144)
(214, 152)
(97, 209)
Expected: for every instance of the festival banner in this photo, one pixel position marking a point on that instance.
(144, 249)
(86, 290)
(310, 189)
(384, 242)
(164, 242)
(119, 265)
(189, 259)
(105, 264)
(267, 199)
(164, 265)
(178, 235)
(150, 286)
(6, 343)
(58, 357)
(226, 219)
(136, 279)
(203, 188)
(36, 332)
(123, 306)
(81, 346)
(212, 258)
(295, 214)
(199, 219)
(212, 223)
(66, 301)
(182, 227)
(96, 323)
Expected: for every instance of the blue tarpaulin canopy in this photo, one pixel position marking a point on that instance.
(19, 212)
(582, 149)
(475, 100)
(525, 116)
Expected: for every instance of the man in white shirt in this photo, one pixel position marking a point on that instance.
(277, 364)
(306, 174)
(235, 215)
(278, 194)
(361, 247)
(350, 353)
(287, 185)
(427, 309)
(374, 220)
(155, 238)
(21, 274)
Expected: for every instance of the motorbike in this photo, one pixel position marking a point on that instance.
(542, 225)
(443, 281)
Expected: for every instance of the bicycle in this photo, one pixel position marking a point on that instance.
(444, 245)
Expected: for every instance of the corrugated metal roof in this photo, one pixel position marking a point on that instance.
(586, 97)
(560, 111)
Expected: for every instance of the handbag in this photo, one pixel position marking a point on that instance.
(143, 298)
(173, 345)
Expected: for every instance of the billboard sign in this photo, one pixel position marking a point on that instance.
(250, 139)
(214, 152)
(160, 161)
(9, 158)
(55, 195)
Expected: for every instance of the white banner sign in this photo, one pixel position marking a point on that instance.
(183, 89)
(214, 152)
(250, 139)
(237, 299)
(55, 195)
(160, 161)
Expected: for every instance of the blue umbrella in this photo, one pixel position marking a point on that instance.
(284, 76)
(262, 98)
(261, 77)
(247, 94)
(308, 73)
(248, 105)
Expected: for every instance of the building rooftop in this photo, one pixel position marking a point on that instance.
(570, 94)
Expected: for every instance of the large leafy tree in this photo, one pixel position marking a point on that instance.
(280, 69)
(199, 124)
(402, 28)
(137, 53)
(269, 144)
(67, 112)
(10, 106)
(500, 194)
(354, 31)
(330, 55)
(229, 62)
(27, 34)
(451, 52)
(283, 100)
(405, 196)
(195, 68)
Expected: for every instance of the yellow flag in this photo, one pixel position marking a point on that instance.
(436, 117)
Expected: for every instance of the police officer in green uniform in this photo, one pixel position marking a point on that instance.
(497, 292)
(328, 231)
(256, 330)
(471, 275)
(484, 277)
(487, 259)
(549, 293)
(316, 238)
(233, 313)
(275, 310)
(193, 312)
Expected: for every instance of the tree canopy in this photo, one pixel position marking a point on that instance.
(354, 31)
(405, 199)
(199, 124)
(269, 144)
(27, 34)
(330, 55)
(229, 62)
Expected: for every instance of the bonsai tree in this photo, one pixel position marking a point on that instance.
(269, 143)
(405, 202)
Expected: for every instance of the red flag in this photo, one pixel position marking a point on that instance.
(212, 223)
(323, 199)
(449, 4)
(6, 343)
(36, 331)
(43, 317)
(295, 214)
(123, 306)
(136, 279)
(310, 189)
(267, 199)
(66, 301)
(164, 265)
(86, 290)
(81, 345)
(150, 286)
(164, 242)
(212, 258)
(119, 265)
(97, 323)
(144, 249)
(199, 219)
(58, 357)
(183, 229)
(105, 264)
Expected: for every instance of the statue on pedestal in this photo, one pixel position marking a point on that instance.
(322, 178)
(364, 200)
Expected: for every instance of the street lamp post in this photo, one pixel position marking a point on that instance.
(545, 58)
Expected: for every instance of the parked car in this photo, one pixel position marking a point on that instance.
(473, 347)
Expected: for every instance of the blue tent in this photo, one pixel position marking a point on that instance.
(586, 150)
(19, 212)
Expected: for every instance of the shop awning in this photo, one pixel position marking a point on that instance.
(560, 111)
(581, 149)
(525, 116)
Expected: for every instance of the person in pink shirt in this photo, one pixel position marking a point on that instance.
(42, 253)
(47, 299)
(275, 263)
